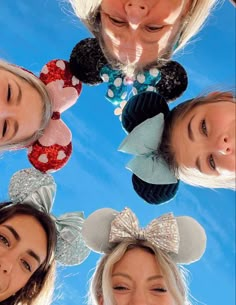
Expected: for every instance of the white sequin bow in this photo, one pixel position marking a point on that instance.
(162, 232)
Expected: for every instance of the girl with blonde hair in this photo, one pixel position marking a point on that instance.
(141, 265)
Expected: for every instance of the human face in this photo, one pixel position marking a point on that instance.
(137, 283)
(23, 248)
(205, 138)
(20, 109)
(139, 31)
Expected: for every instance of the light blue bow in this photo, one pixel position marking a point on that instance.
(119, 85)
(38, 189)
(143, 142)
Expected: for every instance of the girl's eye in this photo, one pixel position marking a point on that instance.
(120, 287)
(4, 241)
(9, 93)
(26, 265)
(154, 28)
(116, 21)
(211, 162)
(4, 129)
(159, 289)
(204, 127)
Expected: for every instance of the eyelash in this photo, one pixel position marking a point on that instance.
(116, 22)
(211, 162)
(120, 288)
(163, 290)
(4, 240)
(9, 93)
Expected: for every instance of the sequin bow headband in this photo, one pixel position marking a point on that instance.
(143, 141)
(53, 149)
(183, 238)
(37, 189)
(89, 64)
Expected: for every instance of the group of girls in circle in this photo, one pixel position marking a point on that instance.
(132, 46)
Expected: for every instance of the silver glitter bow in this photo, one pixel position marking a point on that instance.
(162, 232)
(38, 189)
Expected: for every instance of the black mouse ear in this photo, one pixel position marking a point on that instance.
(86, 61)
(173, 82)
(154, 193)
(142, 107)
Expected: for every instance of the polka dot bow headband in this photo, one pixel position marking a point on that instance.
(53, 149)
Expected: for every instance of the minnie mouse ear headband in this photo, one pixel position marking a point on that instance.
(182, 237)
(143, 117)
(37, 189)
(88, 63)
(53, 149)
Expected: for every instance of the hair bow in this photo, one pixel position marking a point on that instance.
(38, 189)
(162, 232)
(182, 237)
(52, 151)
(118, 83)
(89, 64)
(143, 141)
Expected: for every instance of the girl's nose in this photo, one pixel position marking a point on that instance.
(224, 145)
(136, 11)
(5, 266)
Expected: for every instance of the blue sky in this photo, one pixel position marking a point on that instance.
(34, 32)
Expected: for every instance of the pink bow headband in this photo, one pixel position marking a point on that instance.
(53, 149)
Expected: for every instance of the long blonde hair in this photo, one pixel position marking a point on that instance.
(46, 103)
(100, 285)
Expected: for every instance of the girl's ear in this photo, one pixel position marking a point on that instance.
(101, 301)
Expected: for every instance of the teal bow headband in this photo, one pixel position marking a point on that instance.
(143, 142)
(38, 189)
(118, 83)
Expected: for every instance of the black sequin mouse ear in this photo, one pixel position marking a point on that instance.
(173, 82)
(138, 109)
(86, 61)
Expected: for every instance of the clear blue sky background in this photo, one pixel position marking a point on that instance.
(34, 32)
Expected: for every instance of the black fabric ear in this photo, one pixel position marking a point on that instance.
(142, 107)
(86, 61)
(173, 82)
(154, 193)
(138, 109)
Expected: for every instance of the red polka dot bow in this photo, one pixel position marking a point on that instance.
(52, 151)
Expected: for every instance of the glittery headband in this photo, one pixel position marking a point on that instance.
(37, 189)
(182, 237)
(53, 149)
(89, 64)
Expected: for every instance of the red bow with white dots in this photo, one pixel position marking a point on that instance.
(52, 151)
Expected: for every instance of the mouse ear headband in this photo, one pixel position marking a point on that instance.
(182, 237)
(89, 64)
(143, 117)
(53, 149)
(37, 189)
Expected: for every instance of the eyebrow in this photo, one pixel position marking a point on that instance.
(17, 237)
(151, 278)
(190, 131)
(19, 95)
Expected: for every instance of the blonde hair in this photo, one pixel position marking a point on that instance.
(193, 176)
(100, 285)
(88, 12)
(36, 83)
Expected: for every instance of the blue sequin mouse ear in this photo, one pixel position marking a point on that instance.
(138, 110)
(86, 61)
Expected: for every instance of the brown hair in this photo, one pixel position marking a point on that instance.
(42, 281)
